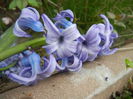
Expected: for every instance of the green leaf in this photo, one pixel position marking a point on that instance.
(34, 3)
(129, 64)
(7, 39)
(21, 3)
(18, 3)
(12, 4)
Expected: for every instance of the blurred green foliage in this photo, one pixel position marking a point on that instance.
(129, 64)
(23, 3)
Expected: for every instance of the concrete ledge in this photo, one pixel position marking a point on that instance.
(96, 80)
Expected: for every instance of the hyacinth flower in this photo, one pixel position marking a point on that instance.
(61, 42)
(65, 14)
(29, 19)
(31, 69)
(107, 37)
(89, 48)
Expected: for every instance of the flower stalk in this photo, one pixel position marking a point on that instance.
(21, 47)
(7, 67)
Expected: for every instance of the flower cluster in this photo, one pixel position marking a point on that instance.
(67, 49)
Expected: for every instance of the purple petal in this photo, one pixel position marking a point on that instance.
(71, 33)
(30, 12)
(114, 35)
(51, 48)
(62, 66)
(75, 66)
(23, 72)
(108, 51)
(107, 24)
(28, 23)
(29, 19)
(35, 60)
(81, 38)
(59, 68)
(58, 17)
(63, 24)
(108, 31)
(83, 54)
(22, 80)
(68, 48)
(101, 27)
(92, 35)
(93, 53)
(49, 67)
(52, 30)
(65, 14)
(19, 32)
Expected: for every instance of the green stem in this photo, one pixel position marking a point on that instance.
(53, 4)
(21, 47)
(7, 39)
(7, 67)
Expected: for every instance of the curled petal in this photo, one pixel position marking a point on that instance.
(108, 26)
(107, 50)
(35, 60)
(30, 12)
(19, 32)
(62, 24)
(22, 80)
(92, 36)
(49, 66)
(101, 27)
(24, 71)
(62, 67)
(75, 66)
(107, 32)
(65, 14)
(30, 23)
(114, 35)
